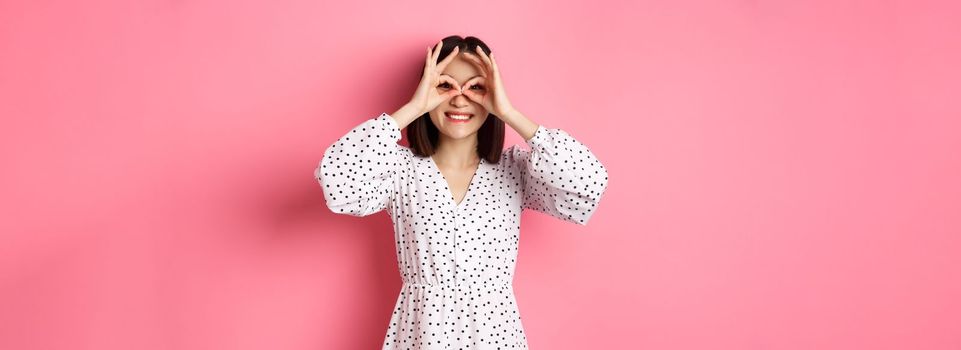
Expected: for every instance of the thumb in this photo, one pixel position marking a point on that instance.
(472, 96)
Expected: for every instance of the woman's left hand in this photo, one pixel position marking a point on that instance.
(491, 95)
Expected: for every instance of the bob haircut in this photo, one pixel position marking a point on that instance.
(422, 134)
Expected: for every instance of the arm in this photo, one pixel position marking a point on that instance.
(561, 177)
(358, 171)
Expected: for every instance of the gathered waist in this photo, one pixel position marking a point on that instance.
(461, 284)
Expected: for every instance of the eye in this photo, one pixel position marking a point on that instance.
(478, 86)
(444, 85)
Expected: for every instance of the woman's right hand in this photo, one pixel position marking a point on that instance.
(428, 96)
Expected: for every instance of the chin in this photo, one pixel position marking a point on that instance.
(458, 133)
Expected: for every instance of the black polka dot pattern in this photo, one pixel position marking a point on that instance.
(457, 260)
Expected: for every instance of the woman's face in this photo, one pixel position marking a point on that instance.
(461, 70)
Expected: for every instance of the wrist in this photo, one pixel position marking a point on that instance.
(511, 114)
(407, 113)
(520, 123)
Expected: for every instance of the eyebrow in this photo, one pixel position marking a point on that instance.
(468, 79)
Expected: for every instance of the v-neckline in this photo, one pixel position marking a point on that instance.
(450, 194)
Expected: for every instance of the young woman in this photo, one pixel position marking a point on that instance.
(455, 197)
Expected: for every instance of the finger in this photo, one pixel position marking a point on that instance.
(450, 80)
(473, 57)
(476, 80)
(473, 96)
(483, 56)
(480, 99)
(430, 63)
(440, 44)
(494, 64)
(447, 60)
(427, 60)
(478, 63)
(443, 98)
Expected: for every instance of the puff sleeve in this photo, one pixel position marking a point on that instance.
(359, 170)
(561, 177)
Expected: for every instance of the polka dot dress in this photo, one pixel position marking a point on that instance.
(456, 260)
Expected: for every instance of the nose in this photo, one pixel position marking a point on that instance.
(459, 100)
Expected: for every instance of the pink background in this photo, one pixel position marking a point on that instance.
(784, 175)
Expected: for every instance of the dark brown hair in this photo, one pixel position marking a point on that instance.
(423, 135)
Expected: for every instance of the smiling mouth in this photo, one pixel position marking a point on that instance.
(459, 116)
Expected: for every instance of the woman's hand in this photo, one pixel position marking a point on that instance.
(492, 95)
(427, 96)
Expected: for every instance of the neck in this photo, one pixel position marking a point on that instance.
(457, 152)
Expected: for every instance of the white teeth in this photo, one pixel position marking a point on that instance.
(459, 116)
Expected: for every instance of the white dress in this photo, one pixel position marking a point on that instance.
(456, 260)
